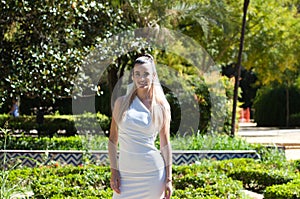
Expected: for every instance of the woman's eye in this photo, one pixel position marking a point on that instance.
(146, 74)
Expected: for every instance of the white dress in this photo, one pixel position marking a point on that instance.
(141, 165)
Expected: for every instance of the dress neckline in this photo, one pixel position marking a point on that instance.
(142, 104)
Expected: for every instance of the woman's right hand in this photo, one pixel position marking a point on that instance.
(115, 181)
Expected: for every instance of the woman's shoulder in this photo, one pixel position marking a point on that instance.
(119, 101)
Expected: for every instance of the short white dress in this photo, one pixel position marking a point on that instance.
(141, 165)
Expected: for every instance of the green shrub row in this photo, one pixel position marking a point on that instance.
(198, 141)
(43, 143)
(290, 190)
(265, 103)
(99, 142)
(206, 179)
(93, 182)
(256, 175)
(52, 124)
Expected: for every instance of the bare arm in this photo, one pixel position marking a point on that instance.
(112, 145)
(115, 180)
(166, 151)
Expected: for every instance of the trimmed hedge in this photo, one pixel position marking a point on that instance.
(43, 143)
(99, 142)
(93, 182)
(79, 182)
(284, 191)
(267, 99)
(258, 179)
(206, 179)
(70, 124)
(255, 174)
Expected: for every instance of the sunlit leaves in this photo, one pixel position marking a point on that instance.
(271, 41)
(43, 43)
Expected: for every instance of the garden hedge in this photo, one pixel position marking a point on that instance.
(67, 125)
(290, 190)
(99, 142)
(265, 103)
(255, 174)
(93, 182)
(207, 179)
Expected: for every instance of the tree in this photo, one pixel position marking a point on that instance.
(274, 31)
(43, 43)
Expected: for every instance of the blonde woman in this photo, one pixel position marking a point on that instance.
(141, 171)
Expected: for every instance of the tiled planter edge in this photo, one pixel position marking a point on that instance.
(32, 158)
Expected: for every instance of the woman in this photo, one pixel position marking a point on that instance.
(14, 111)
(142, 172)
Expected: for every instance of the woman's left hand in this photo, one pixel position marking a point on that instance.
(168, 190)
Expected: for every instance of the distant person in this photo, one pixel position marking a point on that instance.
(14, 111)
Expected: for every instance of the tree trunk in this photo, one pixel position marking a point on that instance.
(238, 69)
(112, 79)
(287, 97)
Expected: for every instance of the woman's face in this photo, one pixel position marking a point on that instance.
(143, 76)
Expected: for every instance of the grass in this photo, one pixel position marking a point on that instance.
(209, 142)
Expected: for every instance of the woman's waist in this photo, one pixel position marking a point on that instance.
(140, 162)
(137, 146)
(138, 150)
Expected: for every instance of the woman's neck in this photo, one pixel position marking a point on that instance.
(144, 95)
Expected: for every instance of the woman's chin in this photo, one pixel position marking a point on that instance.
(143, 87)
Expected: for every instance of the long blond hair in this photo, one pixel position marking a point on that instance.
(160, 108)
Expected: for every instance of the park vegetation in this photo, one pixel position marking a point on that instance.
(46, 47)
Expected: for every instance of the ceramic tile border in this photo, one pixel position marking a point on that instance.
(32, 158)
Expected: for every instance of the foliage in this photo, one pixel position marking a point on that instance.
(201, 185)
(66, 125)
(209, 142)
(272, 27)
(205, 179)
(257, 175)
(93, 181)
(265, 103)
(9, 187)
(44, 43)
(257, 179)
(272, 155)
(284, 191)
(99, 142)
(56, 143)
(72, 181)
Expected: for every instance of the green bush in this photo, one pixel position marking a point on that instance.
(255, 174)
(206, 179)
(99, 142)
(70, 181)
(198, 141)
(295, 119)
(284, 191)
(70, 124)
(55, 143)
(92, 181)
(267, 99)
(258, 179)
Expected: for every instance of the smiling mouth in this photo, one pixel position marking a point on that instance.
(142, 84)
